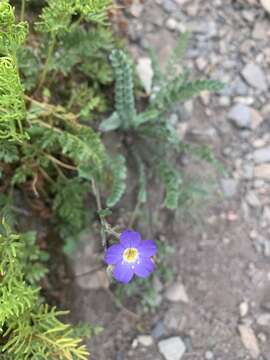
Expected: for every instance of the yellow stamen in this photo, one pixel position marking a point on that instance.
(130, 255)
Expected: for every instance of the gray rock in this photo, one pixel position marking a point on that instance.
(253, 200)
(240, 88)
(248, 171)
(181, 2)
(175, 319)
(263, 246)
(136, 8)
(229, 187)
(172, 348)
(84, 263)
(204, 27)
(264, 319)
(177, 292)
(169, 6)
(120, 355)
(265, 304)
(262, 172)
(261, 156)
(259, 30)
(158, 330)
(255, 76)
(209, 355)
(240, 116)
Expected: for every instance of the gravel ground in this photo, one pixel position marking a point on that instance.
(219, 306)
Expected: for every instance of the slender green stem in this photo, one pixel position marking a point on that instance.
(47, 63)
(134, 214)
(99, 207)
(23, 3)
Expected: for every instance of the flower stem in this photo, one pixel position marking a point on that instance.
(22, 10)
(47, 63)
(99, 207)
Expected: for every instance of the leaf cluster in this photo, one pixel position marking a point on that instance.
(154, 140)
(28, 328)
(12, 107)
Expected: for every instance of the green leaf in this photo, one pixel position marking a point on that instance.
(119, 171)
(172, 181)
(124, 96)
(110, 124)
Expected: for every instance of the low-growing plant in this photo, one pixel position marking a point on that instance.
(55, 92)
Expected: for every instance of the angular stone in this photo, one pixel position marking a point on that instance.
(145, 340)
(266, 5)
(255, 76)
(259, 30)
(229, 187)
(172, 348)
(159, 330)
(256, 118)
(261, 156)
(181, 2)
(253, 200)
(169, 6)
(175, 318)
(136, 8)
(264, 319)
(176, 293)
(240, 116)
(249, 340)
(262, 171)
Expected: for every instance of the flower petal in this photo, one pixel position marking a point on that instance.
(144, 268)
(114, 254)
(130, 238)
(123, 272)
(147, 248)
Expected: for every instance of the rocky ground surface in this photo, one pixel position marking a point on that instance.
(218, 307)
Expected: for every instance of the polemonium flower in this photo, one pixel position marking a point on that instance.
(130, 256)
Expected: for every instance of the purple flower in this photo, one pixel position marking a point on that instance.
(131, 256)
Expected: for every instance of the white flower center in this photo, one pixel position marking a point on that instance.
(130, 255)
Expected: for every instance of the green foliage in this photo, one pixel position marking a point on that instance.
(93, 10)
(11, 35)
(124, 97)
(27, 327)
(12, 107)
(68, 204)
(78, 46)
(180, 89)
(119, 172)
(56, 17)
(154, 139)
(8, 152)
(85, 149)
(29, 66)
(172, 181)
(53, 160)
(48, 157)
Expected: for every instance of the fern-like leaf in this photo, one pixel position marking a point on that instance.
(124, 96)
(172, 181)
(119, 172)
